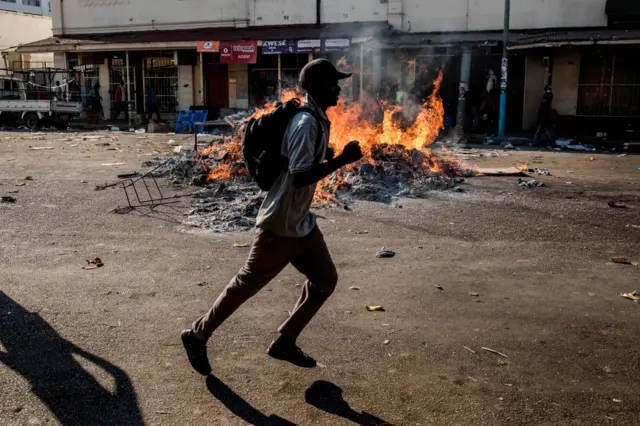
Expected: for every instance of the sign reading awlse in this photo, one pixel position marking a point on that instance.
(238, 52)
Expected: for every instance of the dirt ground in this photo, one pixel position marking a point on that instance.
(85, 347)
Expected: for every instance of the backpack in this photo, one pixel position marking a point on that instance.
(262, 142)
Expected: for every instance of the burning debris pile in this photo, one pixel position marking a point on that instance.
(396, 163)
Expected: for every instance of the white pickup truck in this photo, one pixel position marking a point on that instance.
(34, 106)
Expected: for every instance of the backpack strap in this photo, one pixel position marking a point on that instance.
(316, 117)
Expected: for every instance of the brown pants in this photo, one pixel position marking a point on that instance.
(269, 255)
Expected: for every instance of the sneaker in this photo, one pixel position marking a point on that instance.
(290, 352)
(197, 352)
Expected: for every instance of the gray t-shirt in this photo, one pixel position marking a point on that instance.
(286, 209)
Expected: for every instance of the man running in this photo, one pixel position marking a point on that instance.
(286, 229)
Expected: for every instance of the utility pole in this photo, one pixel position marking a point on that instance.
(505, 70)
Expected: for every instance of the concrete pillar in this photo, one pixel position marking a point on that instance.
(185, 87)
(201, 78)
(377, 70)
(465, 72)
(103, 78)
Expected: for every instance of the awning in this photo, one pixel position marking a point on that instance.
(187, 39)
(600, 36)
(397, 40)
(622, 8)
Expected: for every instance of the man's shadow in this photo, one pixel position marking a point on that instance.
(35, 350)
(240, 407)
(328, 397)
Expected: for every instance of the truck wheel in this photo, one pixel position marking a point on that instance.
(61, 125)
(32, 121)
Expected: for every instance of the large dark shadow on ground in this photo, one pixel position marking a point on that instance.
(240, 407)
(33, 349)
(328, 397)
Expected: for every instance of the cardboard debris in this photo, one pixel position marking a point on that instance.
(501, 171)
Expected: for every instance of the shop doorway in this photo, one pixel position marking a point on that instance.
(217, 86)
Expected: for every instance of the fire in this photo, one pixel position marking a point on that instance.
(376, 126)
(524, 167)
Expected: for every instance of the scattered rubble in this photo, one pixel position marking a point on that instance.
(621, 260)
(493, 351)
(634, 296)
(617, 205)
(385, 253)
(226, 208)
(530, 183)
(541, 172)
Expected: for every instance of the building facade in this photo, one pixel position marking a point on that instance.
(32, 7)
(24, 21)
(396, 46)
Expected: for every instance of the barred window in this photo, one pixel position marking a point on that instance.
(609, 85)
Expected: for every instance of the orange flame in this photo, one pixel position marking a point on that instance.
(374, 125)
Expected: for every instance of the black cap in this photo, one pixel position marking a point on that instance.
(320, 71)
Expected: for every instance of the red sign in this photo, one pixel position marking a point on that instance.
(238, 52)
(208, 46)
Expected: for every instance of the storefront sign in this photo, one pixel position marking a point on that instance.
(238, 52)
(208, 46)
(335, 44)
(275, 47)
(308, 46)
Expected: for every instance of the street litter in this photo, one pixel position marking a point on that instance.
(353, 287)
(493, 351)
(530, 183)
(20, 184)
(385, 253)
(113, 164)
(501, 171)
(617, 205)
(202, 283)
(634, 226)
(141, 131)
(28, 178)
(95, 261)
(621, 260)
(8, 199)
(634, 295)
(474, 294)
(386, 342)
(469, 349)
(592, 159)
(240, 245)
(439, 287)
(178, 149)
(568, 144)
(542, 172)
(374, 308)
(617, 401)
(42, 148)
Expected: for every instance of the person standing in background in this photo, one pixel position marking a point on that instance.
(152, 103)
(120, 103)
